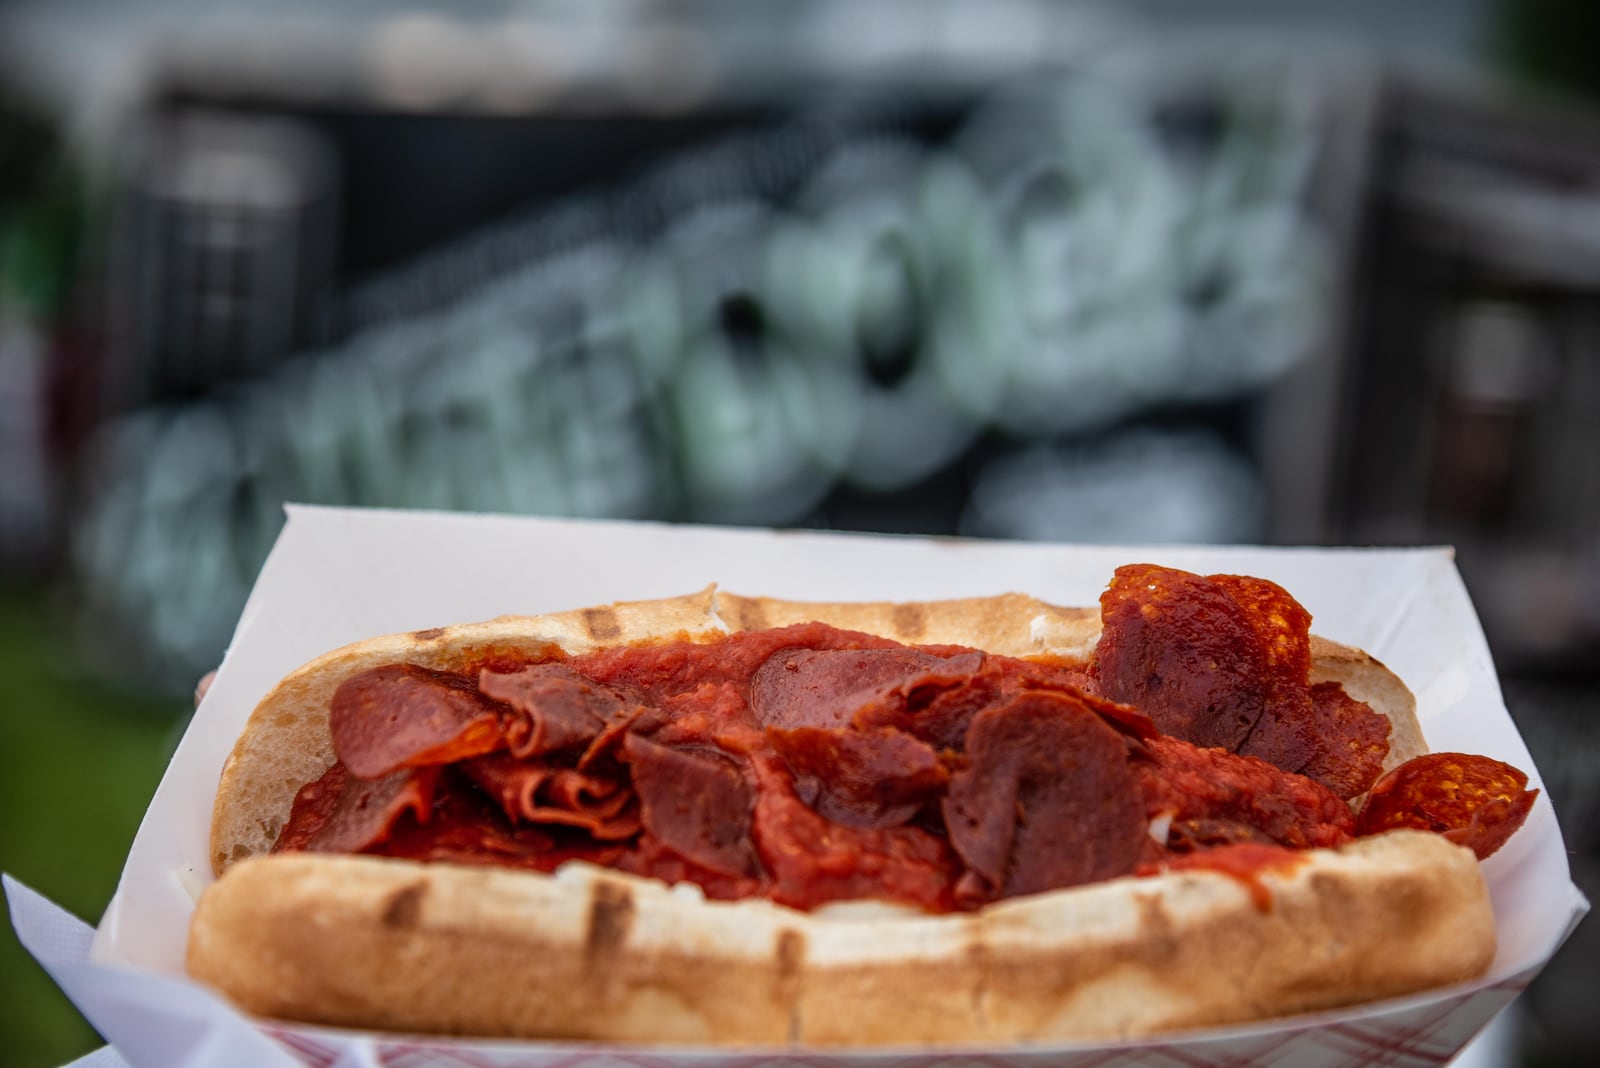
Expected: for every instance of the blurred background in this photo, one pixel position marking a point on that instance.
(1156, 271)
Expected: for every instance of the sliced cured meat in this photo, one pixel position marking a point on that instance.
(1281, 628)
(1179, 648)
(404, 716)
(666, 670)
(938, 717)
(537, 793)
(467, 828)
(313, 804)
(1047, 801)
(1474, 801)
(932, 776)
(810, 860)
(1125, 718)
(1351, 740)
(649, 857)
(610, 738)
(1187, 783)
(343, 814)
(861, 778)
(557, 708)
(1045, 675)
(695, 802)
(1224, 661)
(825, 687)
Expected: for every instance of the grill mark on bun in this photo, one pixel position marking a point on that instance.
(1156, 927)
(789, 956)
(977, 955)
(400, 912)
(910, 621)
(611, 910)
(601, 623)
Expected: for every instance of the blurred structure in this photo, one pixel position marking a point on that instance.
(1477, 397)
(911, 307)
(41, 225)
(223, 265)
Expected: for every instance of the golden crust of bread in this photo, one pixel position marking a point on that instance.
(395, 945)
(588, 954)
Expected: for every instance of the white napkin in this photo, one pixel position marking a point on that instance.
(153, 1021)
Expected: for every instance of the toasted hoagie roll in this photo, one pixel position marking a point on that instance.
(582, 952)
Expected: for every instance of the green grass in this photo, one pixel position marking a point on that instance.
(81, 761)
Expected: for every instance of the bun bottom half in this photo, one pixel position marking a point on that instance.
(592, 955)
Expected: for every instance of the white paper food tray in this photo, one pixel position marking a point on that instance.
(339, 575)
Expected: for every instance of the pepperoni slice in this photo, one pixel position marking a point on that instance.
(1043, 675)
(1352, 741)
(825, 687)
(558, 707)
(1180, 649)
(1474, 801)
(1186, 782)
(639, 719)
(1125, 718)
(939, 718)
(695, 802)
(1224, 661)
(403, 716)
(653, 859)
(1047, 801)
(810, 859)
(1280, 627)
(537, 793)
(367, 810)
(466, 828)
(862, 778)
(313, 805)
(941, 715)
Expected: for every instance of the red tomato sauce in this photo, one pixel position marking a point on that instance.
(803, 764)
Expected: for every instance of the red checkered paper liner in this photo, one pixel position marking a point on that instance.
(1409, 1034)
